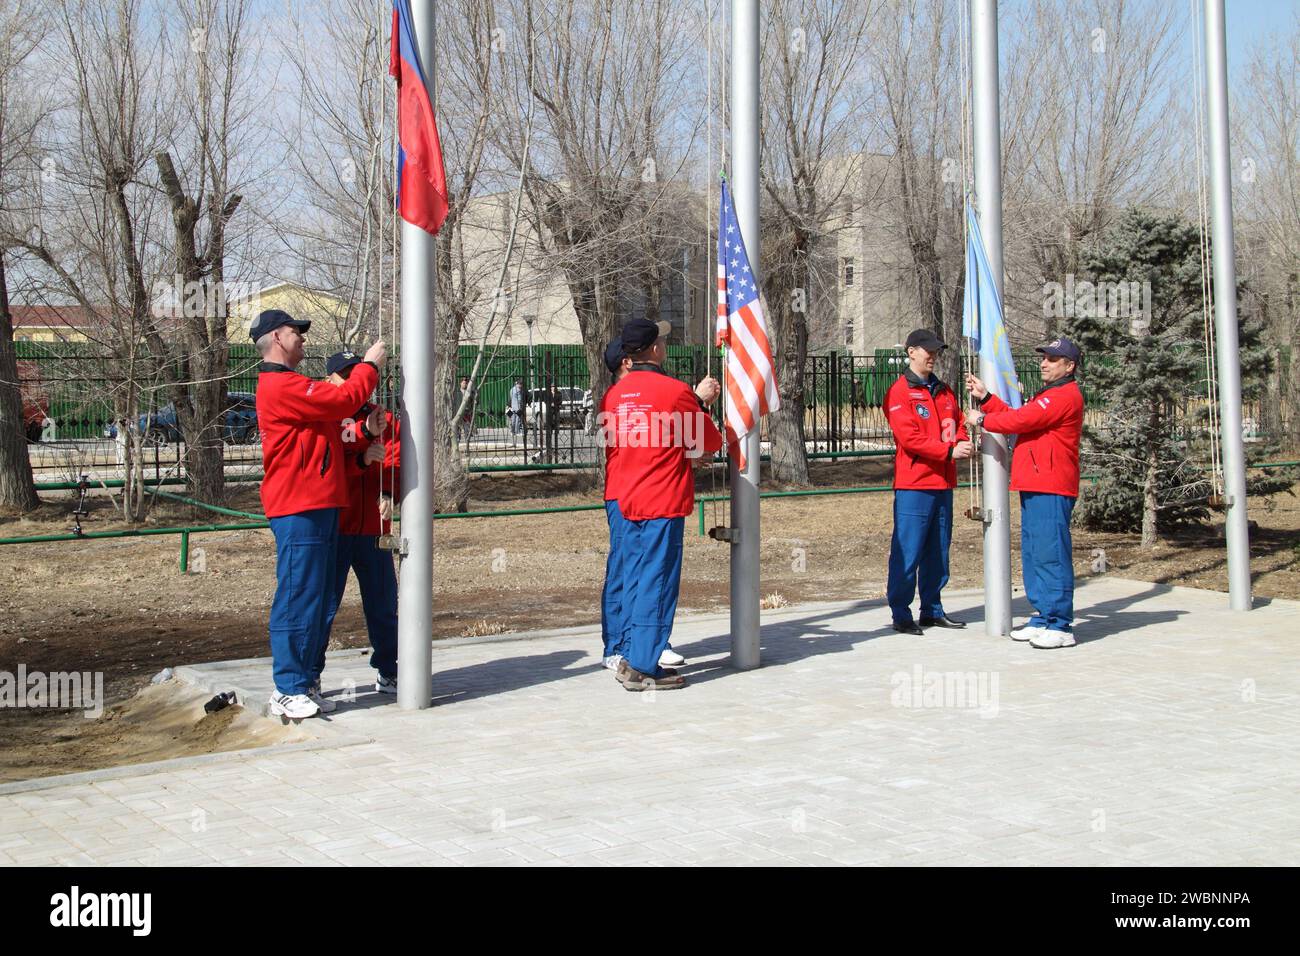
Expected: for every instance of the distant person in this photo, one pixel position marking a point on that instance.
(303, 487)
(372, 464)
(929, 440)
(515, 410)
(657, 427)
(121, 439)
(1045, 470)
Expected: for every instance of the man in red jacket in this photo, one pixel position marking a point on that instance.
(303, 488)
(1045, 470)
(657, 427)
(372, 465)
(929, 440)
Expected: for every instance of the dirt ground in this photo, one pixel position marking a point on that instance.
(160, 722)
(121, 606)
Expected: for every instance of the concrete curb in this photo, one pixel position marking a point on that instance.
(91, 777)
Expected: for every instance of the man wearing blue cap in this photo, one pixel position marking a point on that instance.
(1045, 470)
(303, 488)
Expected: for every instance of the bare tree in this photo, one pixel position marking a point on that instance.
(343, 147)
(1268, 196)
(917, 70)
(608, 81)
(94, 228)
(813, 133)
(341, 143)
(213, 76)
(1090, 86)
(20, 115)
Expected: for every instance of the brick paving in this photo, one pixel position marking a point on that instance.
(1167, 736)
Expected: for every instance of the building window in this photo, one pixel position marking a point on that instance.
(848, 333)
(848, 271)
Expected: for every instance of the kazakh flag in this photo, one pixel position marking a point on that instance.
(982, 319)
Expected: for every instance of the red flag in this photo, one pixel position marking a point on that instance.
(421, 178)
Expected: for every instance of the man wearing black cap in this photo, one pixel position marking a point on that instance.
(372, 463)
(303, 488)
(1045, 470)
(611, 597)
(657, 426)
(929, 439)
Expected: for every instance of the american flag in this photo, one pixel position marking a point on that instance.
(751, 378)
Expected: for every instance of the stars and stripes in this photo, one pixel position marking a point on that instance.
(742, 329)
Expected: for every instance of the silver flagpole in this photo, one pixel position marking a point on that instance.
(988, 197)
(419, 293)
(1225, 309)
(744, 193)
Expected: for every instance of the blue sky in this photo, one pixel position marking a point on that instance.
(1251, 22)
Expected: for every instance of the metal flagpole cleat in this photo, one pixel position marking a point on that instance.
(80, 511)
(723, 533)
(390, 542)
(976, 513)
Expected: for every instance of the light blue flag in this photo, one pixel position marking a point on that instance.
(982, 319)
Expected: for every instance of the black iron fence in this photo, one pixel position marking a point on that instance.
(71, 392)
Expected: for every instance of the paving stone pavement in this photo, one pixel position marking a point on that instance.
(1167, 736)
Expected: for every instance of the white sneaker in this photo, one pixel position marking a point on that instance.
(611, 663)
(386, 685)
(670, 658)
(1026, 632)
(1049, 639)
(293, 706)
(320, 700)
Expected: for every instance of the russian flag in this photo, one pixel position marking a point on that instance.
(421, 178)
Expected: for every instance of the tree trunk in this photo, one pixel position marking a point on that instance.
(17, 489)
(1150, 530)
(450, 477)
(787, 253)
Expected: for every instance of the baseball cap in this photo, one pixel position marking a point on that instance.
(614, 356)
(271, 319)
(639, 334)
(926, 340)
(1064, 348)
(341, 362)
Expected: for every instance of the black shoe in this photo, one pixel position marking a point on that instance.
(944, 621)
(907, 627)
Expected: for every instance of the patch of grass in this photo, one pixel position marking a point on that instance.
(483, 628)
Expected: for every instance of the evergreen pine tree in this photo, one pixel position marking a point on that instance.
(1138, 319)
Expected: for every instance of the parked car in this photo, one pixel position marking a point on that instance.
(571, 405)
(240, 426)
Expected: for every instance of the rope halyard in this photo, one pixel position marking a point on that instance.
(1207, 303)
(969, 363)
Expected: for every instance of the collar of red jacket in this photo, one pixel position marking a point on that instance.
(648, 367)
(934, 386)
(1057, 384)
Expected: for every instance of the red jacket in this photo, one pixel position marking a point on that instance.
(926, 428)
(301, 421)
(366, 482)
(610, 441)
(652, 420)
(1049, 425)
